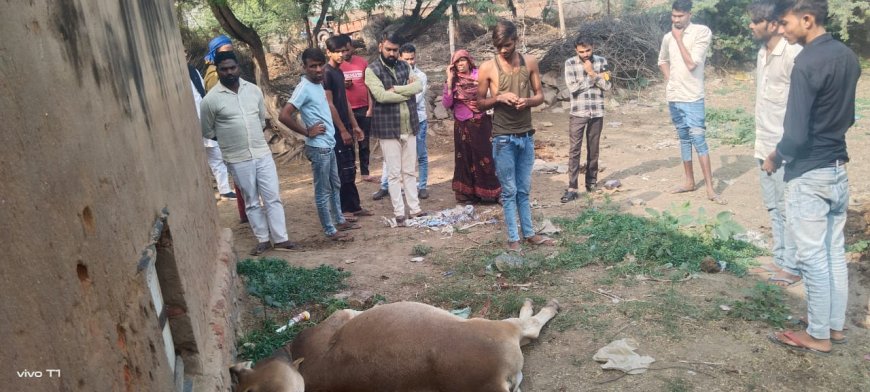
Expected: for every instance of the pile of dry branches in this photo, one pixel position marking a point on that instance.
(630, 44)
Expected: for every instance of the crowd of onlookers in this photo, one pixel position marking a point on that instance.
(805, 103)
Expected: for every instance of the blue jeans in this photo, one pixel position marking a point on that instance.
(688, 118)
(422, 156)
(422, 159)
(773, 196)
(327, 187)
(816, 204)
(514, 157)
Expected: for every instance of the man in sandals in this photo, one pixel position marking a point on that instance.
(234, 114)
(309, 99)
(394, 122)
(587, 80)
(510, 84)
(819, 112)
(773, 72)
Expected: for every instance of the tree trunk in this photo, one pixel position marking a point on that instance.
(417, 7)
(238, 30)
(414, 28)
(512, 8)
(324, 9)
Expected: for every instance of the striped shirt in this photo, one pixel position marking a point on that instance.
(587, 94)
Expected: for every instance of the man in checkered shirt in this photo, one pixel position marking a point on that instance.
(587, 78)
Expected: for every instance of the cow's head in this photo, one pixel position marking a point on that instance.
(272, 375)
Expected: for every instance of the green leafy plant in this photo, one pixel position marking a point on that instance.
(281, 285)
(731, 126)
(859, 246)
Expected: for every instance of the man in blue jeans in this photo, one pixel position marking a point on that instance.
(408, 54)
(513, 142)
(681, 59)
(309, 99)
(820, 109)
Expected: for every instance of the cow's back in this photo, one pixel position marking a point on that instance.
(409, 346)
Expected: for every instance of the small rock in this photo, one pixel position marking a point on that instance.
(638, 202)
(546, 124)
(725, 308)
(710, 265)
(612, 184)
(350, 261)
(417, 259)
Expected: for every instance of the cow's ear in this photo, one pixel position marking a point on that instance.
(296, 363)
(237, 371)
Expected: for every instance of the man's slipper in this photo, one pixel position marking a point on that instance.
(538, 239)
(286, 245)
(347, 226)
(788, 282)
(350, 217)
(569, 196)
(340, 237)
(681, 189)
(797, 346)
(363, 212)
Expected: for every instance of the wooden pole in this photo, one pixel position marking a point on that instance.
(561, 19)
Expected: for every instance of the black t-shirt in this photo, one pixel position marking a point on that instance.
(333, 80)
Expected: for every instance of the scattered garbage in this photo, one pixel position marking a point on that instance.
(444, 220)
(297, 318)
(752, 237)
(620, 355)
(462, 313)
(417, 259)
(725, 308)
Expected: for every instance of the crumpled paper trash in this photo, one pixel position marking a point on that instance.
(548, 228)
(620, 355)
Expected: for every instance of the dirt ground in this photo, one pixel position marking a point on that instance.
(639, 148)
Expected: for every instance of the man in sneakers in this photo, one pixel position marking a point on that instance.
(395, 122)
(309, 99)
(234, 114)
(587, 80)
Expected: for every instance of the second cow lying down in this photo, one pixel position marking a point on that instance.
(401, 347)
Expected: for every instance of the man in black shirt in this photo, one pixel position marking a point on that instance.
(820, 109)
(345, 122)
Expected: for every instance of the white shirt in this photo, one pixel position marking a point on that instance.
(237, 120)
(421, 96)
(684, 85)
(773, 76)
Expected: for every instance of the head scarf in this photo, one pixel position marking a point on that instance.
(465, 83)
(213, 46)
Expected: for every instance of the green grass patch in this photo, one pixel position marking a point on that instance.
(421, 250)
(282, 285)
(285, 287)
(636, 245)
(859, 246)
(667, 309)
(731, 126)
(765, 303)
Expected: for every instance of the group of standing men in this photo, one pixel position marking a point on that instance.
(805, 104)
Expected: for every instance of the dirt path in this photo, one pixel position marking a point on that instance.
(639, 148)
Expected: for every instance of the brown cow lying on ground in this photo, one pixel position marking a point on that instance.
(401, 347)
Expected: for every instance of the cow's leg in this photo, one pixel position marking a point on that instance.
(526, 311)
(531, 326)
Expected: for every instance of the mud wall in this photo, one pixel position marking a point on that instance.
(99, 135)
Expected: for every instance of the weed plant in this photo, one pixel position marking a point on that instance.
(731, 126)
(282, 285)
(636, 245)
(765, 303)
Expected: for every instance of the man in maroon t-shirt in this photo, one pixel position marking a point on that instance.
(354, 68)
